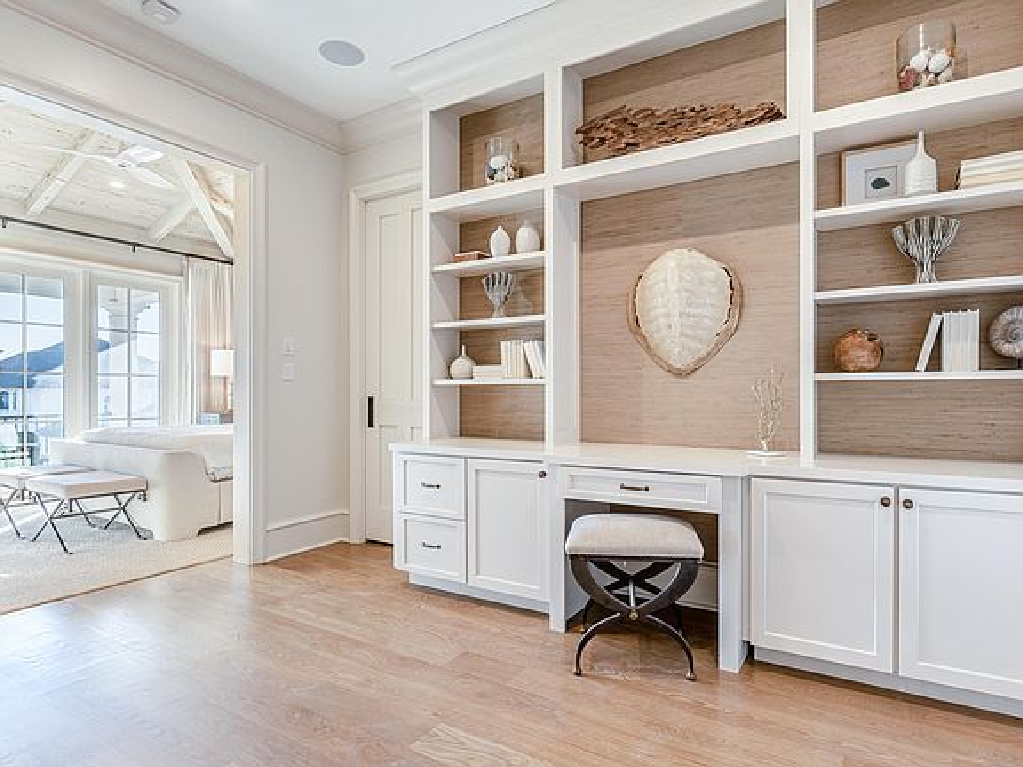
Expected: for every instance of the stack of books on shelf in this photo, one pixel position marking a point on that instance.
(523, 359)
(996, 169)
(960, 341)
(488, 371)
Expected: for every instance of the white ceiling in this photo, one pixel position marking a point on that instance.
(276, 43)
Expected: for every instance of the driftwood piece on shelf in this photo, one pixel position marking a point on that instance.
(626, 129)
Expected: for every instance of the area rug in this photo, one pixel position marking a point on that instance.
(34, 573)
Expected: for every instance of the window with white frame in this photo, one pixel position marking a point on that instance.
(129, 346)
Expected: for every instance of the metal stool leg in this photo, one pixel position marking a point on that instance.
(7, 511)
(591, 632)
(671, 631)
(50, 523)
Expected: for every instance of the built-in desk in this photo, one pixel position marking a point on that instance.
(797, 540)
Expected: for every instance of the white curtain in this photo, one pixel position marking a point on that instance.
(208, 314)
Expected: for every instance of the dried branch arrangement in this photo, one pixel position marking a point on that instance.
(625, 130)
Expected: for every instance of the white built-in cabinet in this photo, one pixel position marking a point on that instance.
(823, 563)
(475, 523)
(507, 529)
(961, 590)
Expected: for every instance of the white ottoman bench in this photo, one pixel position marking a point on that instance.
(69, 490)
(12, 481)
(659, 540)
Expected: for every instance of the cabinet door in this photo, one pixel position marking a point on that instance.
(823, 566)
(507, 528)
(961, 589)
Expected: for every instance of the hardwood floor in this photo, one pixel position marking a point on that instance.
(330, 658)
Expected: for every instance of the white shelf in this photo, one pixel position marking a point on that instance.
(762, 146)
(971, 101)
(514, 263)
(980, 375)
(509, 198)
(491, 382)
(943, 203)
(492, 323)
(929, 290)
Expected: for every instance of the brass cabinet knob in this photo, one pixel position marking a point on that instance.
(886, 501)
(907, 503)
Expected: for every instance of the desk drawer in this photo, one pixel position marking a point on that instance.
(433, 547)
(673, 491)
(434, 486)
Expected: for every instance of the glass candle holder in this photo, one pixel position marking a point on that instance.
(925, 55)
(502, 160)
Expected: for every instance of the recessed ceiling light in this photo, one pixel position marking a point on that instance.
(342, 53)
(161, 11)
(117, 184)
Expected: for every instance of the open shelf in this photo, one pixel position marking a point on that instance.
(944, 203)
(762, 146)
(517, 262)
(495, 323)
(519, 196)
(928, 290)
(977, 375)
(491, 382)
(971, 101)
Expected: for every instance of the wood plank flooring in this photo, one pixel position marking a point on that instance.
(331, 658)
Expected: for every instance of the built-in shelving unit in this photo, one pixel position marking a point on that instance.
(848, 271)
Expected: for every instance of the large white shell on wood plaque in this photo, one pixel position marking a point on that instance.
(683, 308)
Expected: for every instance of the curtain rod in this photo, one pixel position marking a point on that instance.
(4, 220)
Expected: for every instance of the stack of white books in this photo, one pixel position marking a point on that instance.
(960, 341)
(523, 359)
(488, 371)
(996, 169)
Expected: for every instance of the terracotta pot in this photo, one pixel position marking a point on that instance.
(858, 351)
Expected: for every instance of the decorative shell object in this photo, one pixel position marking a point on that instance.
(858, 351)
(683, 308)
(1006, 334)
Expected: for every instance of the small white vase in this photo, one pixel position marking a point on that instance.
(500, 242)
(921, 171)
(527, 238)
(461, 367)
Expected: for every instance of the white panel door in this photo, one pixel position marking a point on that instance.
(507, 528)
(961, 590)
(393, 266)
(824, 571)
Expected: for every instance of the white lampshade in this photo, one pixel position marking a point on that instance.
(222, 363)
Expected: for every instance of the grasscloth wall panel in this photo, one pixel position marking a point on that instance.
(748, 221)
(746, 68)
(857, 62)
(978, 420)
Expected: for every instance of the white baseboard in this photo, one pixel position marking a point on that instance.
(997, 704)
(464, 590)
(293, 536)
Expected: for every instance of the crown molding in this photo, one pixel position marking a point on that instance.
(398, 120)
(570, 32)
(130, 41)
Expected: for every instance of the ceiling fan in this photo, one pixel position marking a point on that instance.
(130, 161)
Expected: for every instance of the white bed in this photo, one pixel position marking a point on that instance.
(189, 469)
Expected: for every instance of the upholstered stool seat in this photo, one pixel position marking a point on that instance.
(663, 542)
(13, 479)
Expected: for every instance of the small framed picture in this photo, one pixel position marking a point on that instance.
(875, 173)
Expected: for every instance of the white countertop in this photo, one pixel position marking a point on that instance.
(971, 475)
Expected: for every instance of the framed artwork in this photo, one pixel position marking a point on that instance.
(875, 173)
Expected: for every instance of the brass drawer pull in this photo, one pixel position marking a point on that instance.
(429, 486)
(634, 488)
(907, 503)
(886, 501)
(434, 546)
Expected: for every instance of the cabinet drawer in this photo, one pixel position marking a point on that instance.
(434, 486)
(678, 491)
(433, 547)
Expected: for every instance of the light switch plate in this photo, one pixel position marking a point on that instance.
(288, 372)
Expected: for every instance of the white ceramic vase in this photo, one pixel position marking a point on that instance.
(921, 171)
(461, 367)
(527, 238)
(500, 242)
